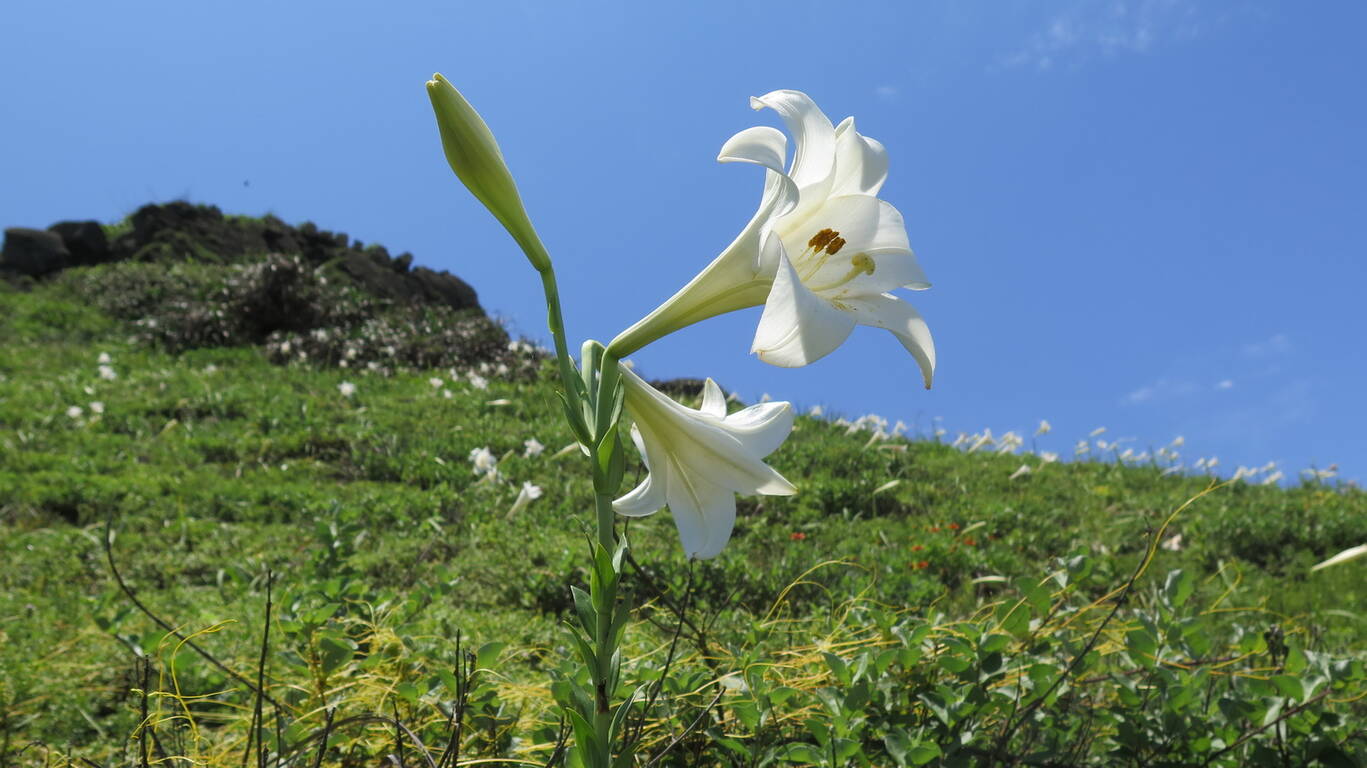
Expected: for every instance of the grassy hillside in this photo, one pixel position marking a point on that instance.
(903, 608)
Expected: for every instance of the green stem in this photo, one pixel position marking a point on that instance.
(556, 321)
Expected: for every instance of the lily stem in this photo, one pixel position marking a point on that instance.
(555, 320)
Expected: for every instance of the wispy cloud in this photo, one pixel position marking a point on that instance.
(1107, 29)
(1273, 346)
(1250, 361)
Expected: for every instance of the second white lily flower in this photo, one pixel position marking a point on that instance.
(700, 459)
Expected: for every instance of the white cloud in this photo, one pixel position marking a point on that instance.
(1224, 384)
(1108, 29)
(1277, 344)
(886, 92)
(1163, 389)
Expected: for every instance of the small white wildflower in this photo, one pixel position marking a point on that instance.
(527, 495)
(533, 448)
(984, 439)
(960, 440)
(446, 393)
(816, 411)
(1212, 462)
(1273, 478)
(1023, 470)
(1173, 543)
(1009, 443)
(901, 427)
(107, 373)
(346, 388)
(1043, 428)
(1178, 442)
(501, 369)
(477, 381)
(889, 485)
(1200, 463)
(103, 359)
(1097, 431)
(1082, 447)
(940, 432)
(435, 382)
(1345, 556)
(211, 368)
(74, 412)
(1268, 467)
(484, 462)
(1048, 457)
(766, 397)
(97, 407)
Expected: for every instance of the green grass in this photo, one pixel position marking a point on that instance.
(215, 466)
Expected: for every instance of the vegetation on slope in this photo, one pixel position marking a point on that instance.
(913, 604)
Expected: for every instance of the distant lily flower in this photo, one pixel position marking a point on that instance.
(533, 448)
(525, 496)
(700, 459)
(820, 254)
(484, 462)
(1043, 429)
(107, 373)
(478, 382)
(346, 388)
(1345, 556)
(1023, 470)
(816, 411)
(97, 407)
(74, 412)
(435, 382)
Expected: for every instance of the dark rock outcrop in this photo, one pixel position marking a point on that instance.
(33, 252)
(181, 231)
(85, 240)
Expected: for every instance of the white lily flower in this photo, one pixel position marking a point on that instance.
(820, 254)
(700, 459)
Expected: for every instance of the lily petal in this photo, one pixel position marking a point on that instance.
(889, 312)
(648, 497)
(713, 401)
(812, 132)
(704, 513)
(761, 145)
(797, 326)
(861, 163)
(762, 428)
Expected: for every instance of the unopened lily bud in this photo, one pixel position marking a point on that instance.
(475, 157)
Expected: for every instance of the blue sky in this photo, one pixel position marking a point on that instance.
(1146, 215)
